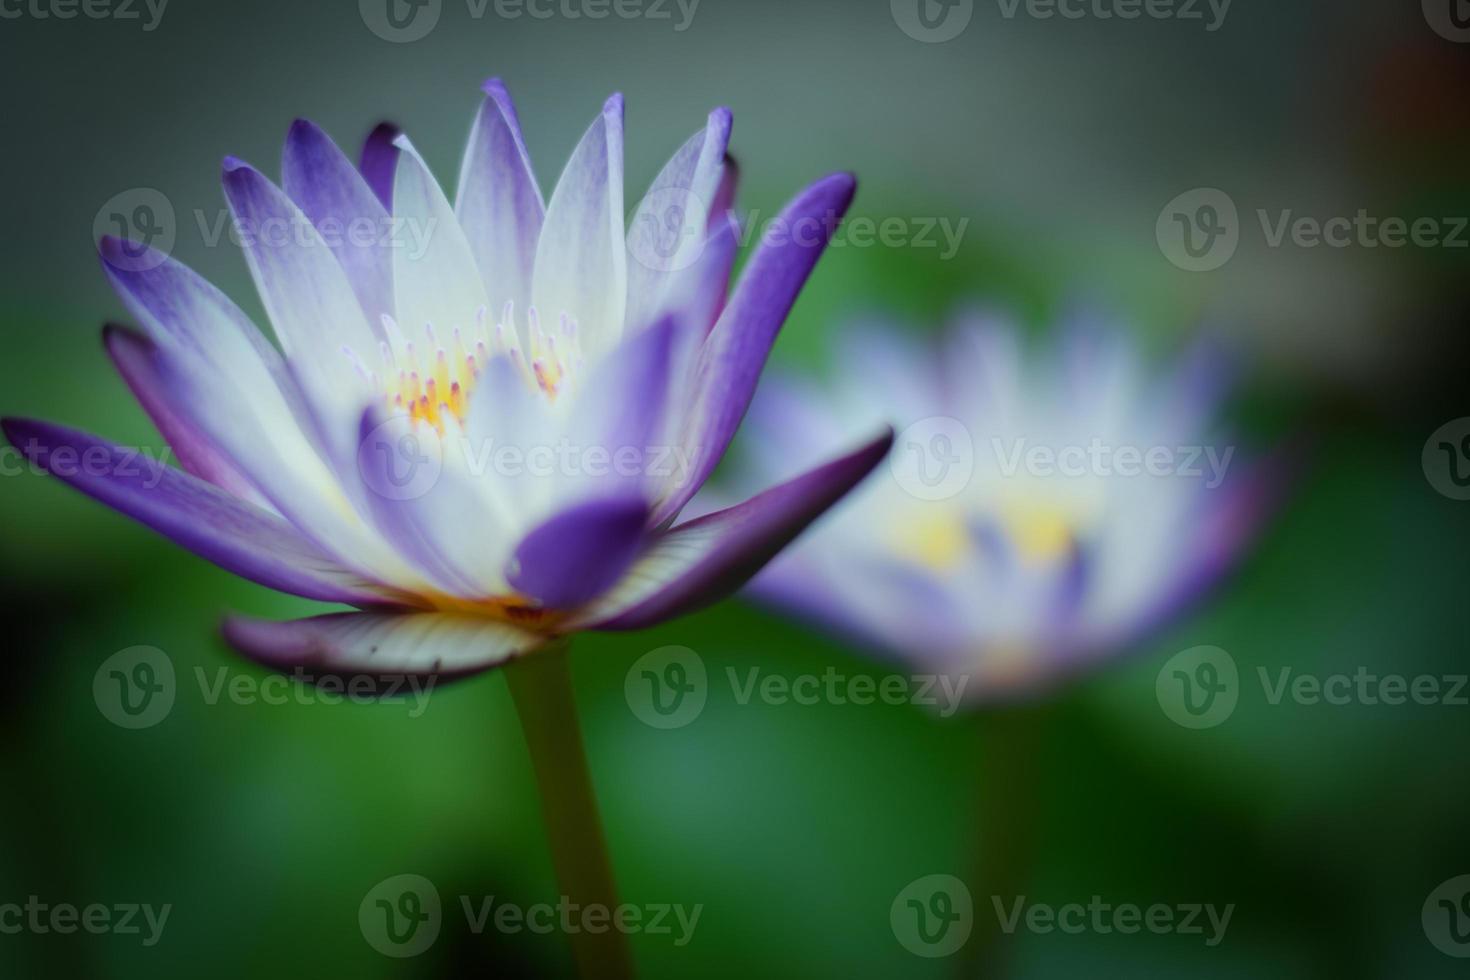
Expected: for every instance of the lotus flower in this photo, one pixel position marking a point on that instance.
(364, 463)
(1044, 510)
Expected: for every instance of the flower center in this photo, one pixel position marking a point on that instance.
(431, 380)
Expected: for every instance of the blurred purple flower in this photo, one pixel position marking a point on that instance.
(1042, 510)
(438, 441)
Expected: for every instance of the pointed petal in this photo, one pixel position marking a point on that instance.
(230, 383)
(710, 557)
(435, 278)
(234, 535)
(671, 225)
(348, 215)
(135, 357)
(499, 204)
(381, 645)
(311, 304)
(579, 553)
(581, 258)
(181, 312)
(379, 161)
(737, 348)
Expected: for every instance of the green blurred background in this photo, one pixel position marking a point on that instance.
(264, 826)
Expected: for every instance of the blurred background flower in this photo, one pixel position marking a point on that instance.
(1058, 143)
(1042, 509)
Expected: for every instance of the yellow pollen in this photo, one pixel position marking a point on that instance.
(939, 540)
(436, 384)
(1039, 533)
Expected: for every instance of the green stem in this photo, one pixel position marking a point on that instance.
(1012, 747)
(541, 686)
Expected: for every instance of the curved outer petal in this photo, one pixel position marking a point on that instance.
(379, 161)
(311, 304)
(499, 203)
(620, 412)
(710, 557)
(183, 313)
(135, 357)
(346, 213)
(581, 258)
(700, 292)
(671, 225)
(232, 534)
(228, 380)
(579, 553)
(385, 645)
(438, 518)
(435, 279)
(736, 350)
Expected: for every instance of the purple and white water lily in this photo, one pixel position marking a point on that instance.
(1043, 510)
(482, 442)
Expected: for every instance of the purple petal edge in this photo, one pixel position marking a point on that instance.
(737, 348)
(745, 537)
(236, 536)
(580, 552)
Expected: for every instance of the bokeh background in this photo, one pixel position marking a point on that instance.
(264, 826)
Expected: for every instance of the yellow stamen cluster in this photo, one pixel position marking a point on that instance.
(432, 380)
